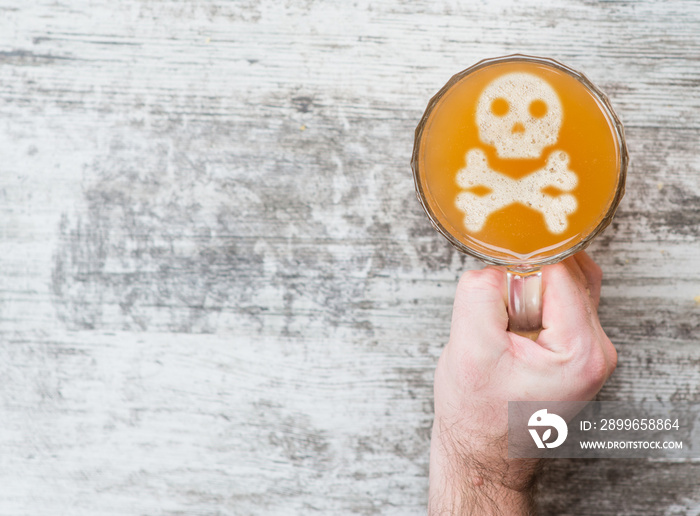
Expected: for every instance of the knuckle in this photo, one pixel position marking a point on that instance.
(612, 357)
(597, 269)
(600, 364)
(590, 364)
(597, 273)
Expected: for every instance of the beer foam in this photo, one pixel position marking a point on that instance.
(503, 191)
(519, 114)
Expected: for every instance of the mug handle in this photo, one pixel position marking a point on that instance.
(525, 302)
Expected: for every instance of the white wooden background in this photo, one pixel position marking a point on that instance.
(218, 294)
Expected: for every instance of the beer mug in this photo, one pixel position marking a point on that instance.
(520, 161)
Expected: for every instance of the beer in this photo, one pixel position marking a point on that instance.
(519, 160)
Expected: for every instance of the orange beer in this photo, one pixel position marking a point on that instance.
(518, 160)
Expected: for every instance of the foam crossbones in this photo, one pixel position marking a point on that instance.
(519, 114)
(527, 190)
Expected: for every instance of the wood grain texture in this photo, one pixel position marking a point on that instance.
(218, 292)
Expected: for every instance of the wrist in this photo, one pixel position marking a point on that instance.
(472, 474)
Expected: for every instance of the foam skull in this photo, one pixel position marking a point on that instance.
(519, 114)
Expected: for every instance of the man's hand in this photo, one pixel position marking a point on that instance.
(484, 366)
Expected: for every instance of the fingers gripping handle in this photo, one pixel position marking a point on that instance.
(525, 302)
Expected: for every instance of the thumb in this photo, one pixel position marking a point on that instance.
(480, 306)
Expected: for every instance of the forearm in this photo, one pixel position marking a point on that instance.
(477, 478)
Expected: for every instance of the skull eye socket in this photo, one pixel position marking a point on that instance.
(538, 108)
(500, 107)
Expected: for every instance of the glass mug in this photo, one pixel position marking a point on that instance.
(520, 161)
